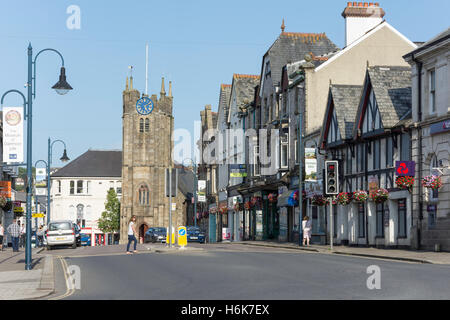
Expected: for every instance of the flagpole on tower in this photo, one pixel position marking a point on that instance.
(146, 69)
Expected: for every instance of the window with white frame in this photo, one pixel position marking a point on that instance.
(432, 91)
(88, 187)
(59, 186)
(434, 166)
(80, 187)
(284, 146)
(256, 162)
(72, 187)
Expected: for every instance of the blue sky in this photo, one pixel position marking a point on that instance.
(196, 44)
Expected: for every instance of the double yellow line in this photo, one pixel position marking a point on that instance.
(69, 291)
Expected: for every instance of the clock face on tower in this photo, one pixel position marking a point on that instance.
(144, 106)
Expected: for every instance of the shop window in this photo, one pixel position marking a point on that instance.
(380, 220)
(402, 218)
(361, 221)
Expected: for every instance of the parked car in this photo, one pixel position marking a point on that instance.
(77, 234)
(156, 234)
(61, 233)
(195, 234)
(85, 239)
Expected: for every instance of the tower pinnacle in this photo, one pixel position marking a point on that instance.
(163, 91)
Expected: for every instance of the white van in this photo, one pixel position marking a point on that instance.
(60, 233)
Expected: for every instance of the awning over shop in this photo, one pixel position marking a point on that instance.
(286, 199)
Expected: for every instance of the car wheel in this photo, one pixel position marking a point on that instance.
(49, 248)
(74, 246)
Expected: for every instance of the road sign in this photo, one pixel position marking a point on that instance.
(182, 236)
(18, 210)
(405, 168)
(38, 215)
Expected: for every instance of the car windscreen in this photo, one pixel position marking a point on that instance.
(193, 229)
(60, 226)
(159, 230)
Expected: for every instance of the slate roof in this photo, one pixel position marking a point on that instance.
(93, 163)
(392, 89)
(346, 101)
(224, 99)
(244, 87)
(290, 47)
(186, 182)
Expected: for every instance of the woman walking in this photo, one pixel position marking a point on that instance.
(306, 226)
(132, 234)
(2, 232)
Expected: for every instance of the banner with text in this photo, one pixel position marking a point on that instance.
(13, 134)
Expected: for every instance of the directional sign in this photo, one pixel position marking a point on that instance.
(38, 215)
(405, 168)
(182, 236)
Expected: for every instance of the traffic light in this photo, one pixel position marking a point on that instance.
(331, 177)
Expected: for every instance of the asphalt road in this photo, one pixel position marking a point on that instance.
(232, 272)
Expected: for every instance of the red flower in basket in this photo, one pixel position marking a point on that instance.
(272, 197)
(405, 182)
(247, 205)
(432, 182)
(319, 200)
(344, 198)
(379, 196)
(360, 196)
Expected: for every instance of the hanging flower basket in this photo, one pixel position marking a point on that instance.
(213, 210)
(272, 197)
(405, 183)
(379, 196)
(360, 196)
(3, 201)
(223, 210)
(344, 198)
(319, 200)
(432, 182)
(247, 205)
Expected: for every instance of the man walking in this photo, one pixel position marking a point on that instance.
(14, 231)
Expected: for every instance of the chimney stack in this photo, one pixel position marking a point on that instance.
(360, 17)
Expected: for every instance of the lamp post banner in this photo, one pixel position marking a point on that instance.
(13, 134)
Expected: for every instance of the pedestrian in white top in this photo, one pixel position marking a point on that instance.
(2, 232)
(132, 234)
(306, 226)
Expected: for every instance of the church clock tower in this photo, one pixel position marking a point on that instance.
(147, 150)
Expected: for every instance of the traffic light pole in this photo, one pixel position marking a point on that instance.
(331, 224)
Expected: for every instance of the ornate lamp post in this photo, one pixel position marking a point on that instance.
(61, 87)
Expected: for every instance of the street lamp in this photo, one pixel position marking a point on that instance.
(64, 158)
(194, 164)
(61, 87)
(35, 194)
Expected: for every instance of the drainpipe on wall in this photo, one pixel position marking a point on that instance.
(419, 137)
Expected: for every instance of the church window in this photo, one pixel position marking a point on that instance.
(141, 125)
(147, 125)
(143, 195)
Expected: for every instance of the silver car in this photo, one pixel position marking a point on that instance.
(61, 233)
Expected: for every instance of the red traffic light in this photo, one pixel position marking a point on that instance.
(331, 167)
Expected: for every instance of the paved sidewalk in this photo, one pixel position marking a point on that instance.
(392, 254)
(16, 283)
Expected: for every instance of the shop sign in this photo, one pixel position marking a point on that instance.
(405, 168)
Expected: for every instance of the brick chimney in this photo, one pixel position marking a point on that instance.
(360, 17)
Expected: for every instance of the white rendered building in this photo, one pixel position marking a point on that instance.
(79, 189)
